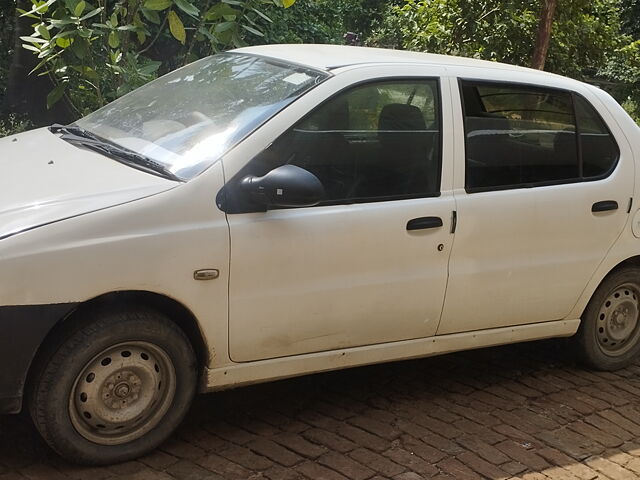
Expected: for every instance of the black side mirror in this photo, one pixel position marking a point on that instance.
(285, 186)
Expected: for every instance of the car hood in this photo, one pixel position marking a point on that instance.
(44, 179)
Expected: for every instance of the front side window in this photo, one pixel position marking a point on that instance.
(519, 135)
(188, 118)
(373, 142)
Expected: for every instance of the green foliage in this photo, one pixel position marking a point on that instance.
(322, 21)
(12, 124)
(585, 32)
(96, 52)
(6, 43)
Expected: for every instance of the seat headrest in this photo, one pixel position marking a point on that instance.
(401, 117)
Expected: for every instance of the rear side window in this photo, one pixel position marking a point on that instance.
(519, 135)
(599, 149)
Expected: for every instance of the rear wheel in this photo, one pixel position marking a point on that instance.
(115, 388)
(609, 335)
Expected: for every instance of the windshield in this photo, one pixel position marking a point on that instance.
(188, 118)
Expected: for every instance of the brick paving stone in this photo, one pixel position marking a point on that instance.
(458, 470)
(483, 467)
(513, 468)
(245, 457)
(422, 449)
(484, 450)
(411, 461)
(159, 460)
(39, 471)
(329, 440)
(281, 473)
(187, 470)
(225, 468)
(299, 444)
(472, 428)
(345, 465)
(317, 472)
(556, 457)
(594, 433)
(275, 452)
(610, 469)
(375, 427)
(603, 424)
(572, 443)
(521, 454)
(377, 462)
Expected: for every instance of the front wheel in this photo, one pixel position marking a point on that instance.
(114, 389)
(609, 334)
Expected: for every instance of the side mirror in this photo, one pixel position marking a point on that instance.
(285, 186)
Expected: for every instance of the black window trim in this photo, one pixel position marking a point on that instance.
(230, 185)
(574, 94)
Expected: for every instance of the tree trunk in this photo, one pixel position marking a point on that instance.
(544, 34)
(27, 94)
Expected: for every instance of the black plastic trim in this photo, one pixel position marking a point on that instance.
(424, 223)
(22, 330)
(604, 206)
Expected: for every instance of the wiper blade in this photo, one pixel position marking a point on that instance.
(80, 136)
(73, 130)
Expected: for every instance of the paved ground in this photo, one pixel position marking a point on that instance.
(522, 412)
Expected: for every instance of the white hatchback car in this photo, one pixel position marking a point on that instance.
(282, 210)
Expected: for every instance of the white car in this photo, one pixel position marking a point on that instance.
(281, 210)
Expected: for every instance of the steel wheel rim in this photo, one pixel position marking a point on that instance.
(122, 393)
(618, 325)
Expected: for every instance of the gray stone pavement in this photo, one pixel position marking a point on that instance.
(515, 412)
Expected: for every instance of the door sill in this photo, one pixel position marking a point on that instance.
(237, 375)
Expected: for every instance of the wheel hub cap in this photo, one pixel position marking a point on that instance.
(618, 321)
(122, 393)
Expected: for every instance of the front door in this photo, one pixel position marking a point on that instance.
(369, 264)
(546, 195)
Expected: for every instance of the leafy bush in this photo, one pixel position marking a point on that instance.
(98, 52)
(12, 124)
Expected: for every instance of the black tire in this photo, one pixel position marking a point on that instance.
(55, 404)
(612, 313)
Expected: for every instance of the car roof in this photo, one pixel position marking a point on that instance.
(331, 57)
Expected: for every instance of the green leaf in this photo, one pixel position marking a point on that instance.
(265, 17)
(288, 3)
(114, 40)
(64, 42)
(33, 39)
(224, 26)
(92, 13)
(56, 94)
(42, 30)
(24, 13)
(157, 4)
(114, 20)
(186, 7)
(151, 15)
(176, 27)
(149, 68)
(79, 8)
(253, 30)
(26, 46)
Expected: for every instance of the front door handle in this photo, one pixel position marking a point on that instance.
(424, 222)
(604, 206)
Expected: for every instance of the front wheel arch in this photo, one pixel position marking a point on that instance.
(120, 300)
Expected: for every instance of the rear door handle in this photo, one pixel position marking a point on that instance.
(422, 223)
(604, 206)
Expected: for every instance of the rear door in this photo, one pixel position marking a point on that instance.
(546, 193)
